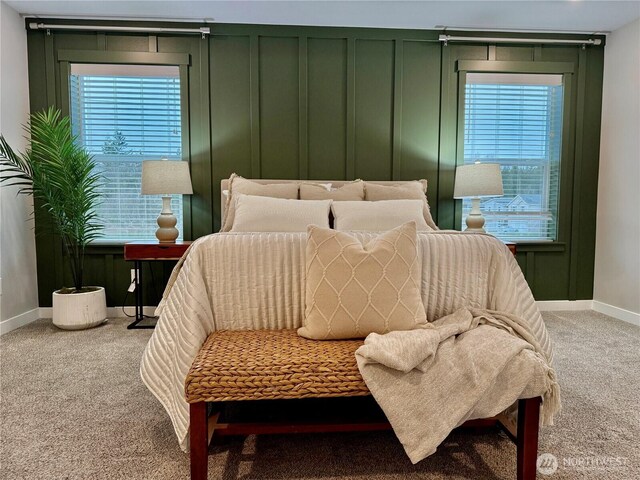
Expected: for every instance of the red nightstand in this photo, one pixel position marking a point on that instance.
(149, 251)
(512, 247)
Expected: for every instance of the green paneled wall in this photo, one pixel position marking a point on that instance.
(373, 99)
(332, 103)
(326, 153)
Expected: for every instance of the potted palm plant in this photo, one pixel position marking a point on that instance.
(61, 177)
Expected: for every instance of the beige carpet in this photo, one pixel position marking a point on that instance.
(73, 407)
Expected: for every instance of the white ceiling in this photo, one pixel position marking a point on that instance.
(565, 15)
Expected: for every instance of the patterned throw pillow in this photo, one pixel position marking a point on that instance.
(353, 290)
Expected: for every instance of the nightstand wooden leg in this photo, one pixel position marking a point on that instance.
(139, 299)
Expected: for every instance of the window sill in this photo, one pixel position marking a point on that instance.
(107, 243)
(121, 243)
(105, 248)
(539, 246)
(117, 247)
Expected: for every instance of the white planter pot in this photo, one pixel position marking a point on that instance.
(75, 311)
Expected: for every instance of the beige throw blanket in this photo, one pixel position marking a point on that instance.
(470, 364)
(231, 281)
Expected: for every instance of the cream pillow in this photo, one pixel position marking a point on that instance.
(416, 189)
(238, 184)
(378, 216)
(264, 214)
(350, 191)
(353, 290)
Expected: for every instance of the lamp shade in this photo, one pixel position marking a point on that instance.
(478, 180)
(165, 177)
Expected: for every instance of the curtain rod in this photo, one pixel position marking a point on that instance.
(111, 28)
(586, 41)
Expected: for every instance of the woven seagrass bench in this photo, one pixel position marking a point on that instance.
(245, 365)
(270, 365)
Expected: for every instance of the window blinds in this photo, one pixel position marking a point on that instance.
(124, 114)
(516, 120)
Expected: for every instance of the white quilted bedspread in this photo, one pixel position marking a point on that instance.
(256, 281)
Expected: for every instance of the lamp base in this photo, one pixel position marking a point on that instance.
(475, 220)
(167, 231)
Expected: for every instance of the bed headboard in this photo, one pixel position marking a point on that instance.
(224, 185)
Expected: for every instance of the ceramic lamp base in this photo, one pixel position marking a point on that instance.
(167, 231)
(475, 220)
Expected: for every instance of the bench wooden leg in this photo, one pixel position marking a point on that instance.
(527, 439)
(198, 440)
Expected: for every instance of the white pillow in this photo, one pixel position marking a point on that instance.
(266, 214)
(378, 216)
(240, 185)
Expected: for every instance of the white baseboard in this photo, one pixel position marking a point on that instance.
(610, 310)
(544, 306)
(559, 305)
(112, 312)
(617, 312)
(19, 320)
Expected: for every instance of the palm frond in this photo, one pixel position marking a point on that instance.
(61, 175)
(14, 168)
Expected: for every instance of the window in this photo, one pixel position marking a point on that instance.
(516, 120)
(124, 114)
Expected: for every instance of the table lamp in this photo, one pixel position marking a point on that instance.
(477, 180)
(165, 177)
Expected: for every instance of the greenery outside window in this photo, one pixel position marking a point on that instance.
(124, 114)
(516, 120)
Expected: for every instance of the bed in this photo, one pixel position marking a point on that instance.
(255, 281)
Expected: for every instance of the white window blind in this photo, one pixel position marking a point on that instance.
(516, 120)
(124, 114)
